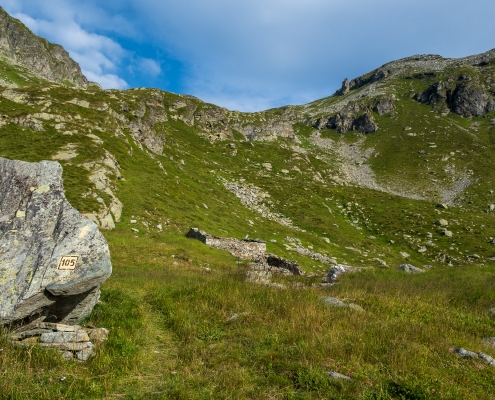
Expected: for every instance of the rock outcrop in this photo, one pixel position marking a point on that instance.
(468, 97)
(52, 260)
(268, 131)
(344, 122)
(46, 60)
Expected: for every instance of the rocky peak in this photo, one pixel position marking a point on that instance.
(44, 59)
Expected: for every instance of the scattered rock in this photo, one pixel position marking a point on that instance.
(355, 307)
(463, 353)
(52, 260)
(236, 316)
(365, 124)
(64, 337)
(334, 302)
(71, 340)
(280, 263)
(410, 269)
(404, 254)
(441, 205)
(441, 222)
(337, 270)
(259, 277)
(66, 153)
(336, 375)
(490, 341)
(98, 335)
(491, 312)
(384, 106)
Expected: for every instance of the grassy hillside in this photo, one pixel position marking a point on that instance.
(365, 200)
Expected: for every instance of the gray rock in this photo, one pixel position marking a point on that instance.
(345, 88)
(69, 346)
(486, 358)
(465, 353)
(65, 337)
(342, 123)
(410, 269)
(365, 124)
(336, 375)
(355, 307)
(334, 272)
(98, 335)
(490, 341)
(46, 60)
(384, 106)
(259, 277)
(491, 311)
(236, 316)
(441, 222)
(472, 100)
(332, 301)
(85, 353)
(58, 327)
(34, 332)
(67, 355)
(52, 260)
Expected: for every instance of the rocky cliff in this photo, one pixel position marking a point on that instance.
(44, 59)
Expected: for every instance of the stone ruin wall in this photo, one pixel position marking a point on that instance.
(246, 248)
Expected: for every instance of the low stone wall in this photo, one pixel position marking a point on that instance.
(277, 262)
(248, 249)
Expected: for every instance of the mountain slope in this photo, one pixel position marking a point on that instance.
(356, 177)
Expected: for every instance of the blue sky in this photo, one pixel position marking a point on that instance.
(252, 55)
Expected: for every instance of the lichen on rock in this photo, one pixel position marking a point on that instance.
(52, 259)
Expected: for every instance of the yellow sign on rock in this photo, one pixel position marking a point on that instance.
(68, 262)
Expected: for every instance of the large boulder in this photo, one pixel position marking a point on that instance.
(52, 259)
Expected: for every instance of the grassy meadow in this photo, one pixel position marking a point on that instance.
(184, 323)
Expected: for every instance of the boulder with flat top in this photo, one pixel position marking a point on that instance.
(52, 259)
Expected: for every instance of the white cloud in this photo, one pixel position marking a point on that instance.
(107, 81)
(290, 49)
(98, 55)
(272, 51)
(149, 67)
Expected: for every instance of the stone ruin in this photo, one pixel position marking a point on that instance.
(247, 249)
(73, 341)
(264, 264)
(52, 259)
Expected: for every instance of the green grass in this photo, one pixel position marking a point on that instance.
(167, 314)
(170, 337)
